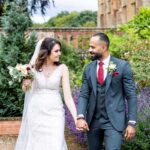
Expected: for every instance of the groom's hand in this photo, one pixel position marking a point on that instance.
(130, 132)
(81, 125)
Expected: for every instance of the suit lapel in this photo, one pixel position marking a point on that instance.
(109, 76)
(108, 81)
(93, 76)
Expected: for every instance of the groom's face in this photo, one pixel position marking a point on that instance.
(97, 48)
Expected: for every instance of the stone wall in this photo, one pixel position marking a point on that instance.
(111, 13)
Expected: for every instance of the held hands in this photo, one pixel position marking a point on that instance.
(129, 132)
(26, 85)
(81, 125)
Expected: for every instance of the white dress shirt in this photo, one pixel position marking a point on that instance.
(105, 66)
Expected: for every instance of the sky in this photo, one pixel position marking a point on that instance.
(65, 5)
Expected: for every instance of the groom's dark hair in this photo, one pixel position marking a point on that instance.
(103, 37)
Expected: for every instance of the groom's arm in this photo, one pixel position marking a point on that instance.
(84, 94)
(130, 93)
(81, 124)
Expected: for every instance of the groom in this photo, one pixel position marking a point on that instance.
(107, 82)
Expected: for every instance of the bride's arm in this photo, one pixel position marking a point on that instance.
(67, 92)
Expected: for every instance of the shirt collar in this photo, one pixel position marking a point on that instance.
(105, 61)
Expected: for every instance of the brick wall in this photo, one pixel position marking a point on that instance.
(9, 130)
(69, 35)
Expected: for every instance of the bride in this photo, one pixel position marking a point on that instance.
(43, 119)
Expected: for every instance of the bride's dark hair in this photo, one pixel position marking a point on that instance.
(45, 50)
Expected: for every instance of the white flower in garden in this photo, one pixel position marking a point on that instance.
(15, 76)
(10, 83)
(10, 70)
(126, 54)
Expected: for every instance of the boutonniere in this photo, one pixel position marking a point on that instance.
(112, 67)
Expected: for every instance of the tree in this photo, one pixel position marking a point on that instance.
(73, 19)
(42, 4)
(33, 5)
(15, 47)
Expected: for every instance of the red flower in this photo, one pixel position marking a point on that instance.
(28, 68)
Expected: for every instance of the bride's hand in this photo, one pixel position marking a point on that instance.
(26, 84)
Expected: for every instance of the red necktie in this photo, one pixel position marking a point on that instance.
(101, 73)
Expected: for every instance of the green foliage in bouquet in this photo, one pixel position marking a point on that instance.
(15, 47)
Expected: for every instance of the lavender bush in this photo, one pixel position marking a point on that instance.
(142, 139)
(81, 136)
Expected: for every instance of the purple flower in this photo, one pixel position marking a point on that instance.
(81, 137)
(144, 103)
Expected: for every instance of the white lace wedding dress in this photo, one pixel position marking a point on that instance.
(43, 126)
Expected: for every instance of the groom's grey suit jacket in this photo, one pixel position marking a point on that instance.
(119, 86)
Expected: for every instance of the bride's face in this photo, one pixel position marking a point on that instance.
(55, 53)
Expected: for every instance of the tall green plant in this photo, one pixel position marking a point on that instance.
(137, 53)
(140, 25)
(136, 47)
(15, 47)
(71, 57)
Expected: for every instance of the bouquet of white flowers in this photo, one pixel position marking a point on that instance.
(20, 72)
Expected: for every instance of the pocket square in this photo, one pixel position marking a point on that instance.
(115, 74)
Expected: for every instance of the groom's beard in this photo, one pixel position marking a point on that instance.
(96, 56)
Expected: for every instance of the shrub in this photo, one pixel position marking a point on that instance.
(74, 61)
(15, 47)
(135, 48)
(71, 57)
(140, 25)
(142, 139)
(138, 54)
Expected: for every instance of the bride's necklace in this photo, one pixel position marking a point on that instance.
(47, 70)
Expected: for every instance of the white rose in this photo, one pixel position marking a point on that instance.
(18, 67)
(112, 66)
(24, 72)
